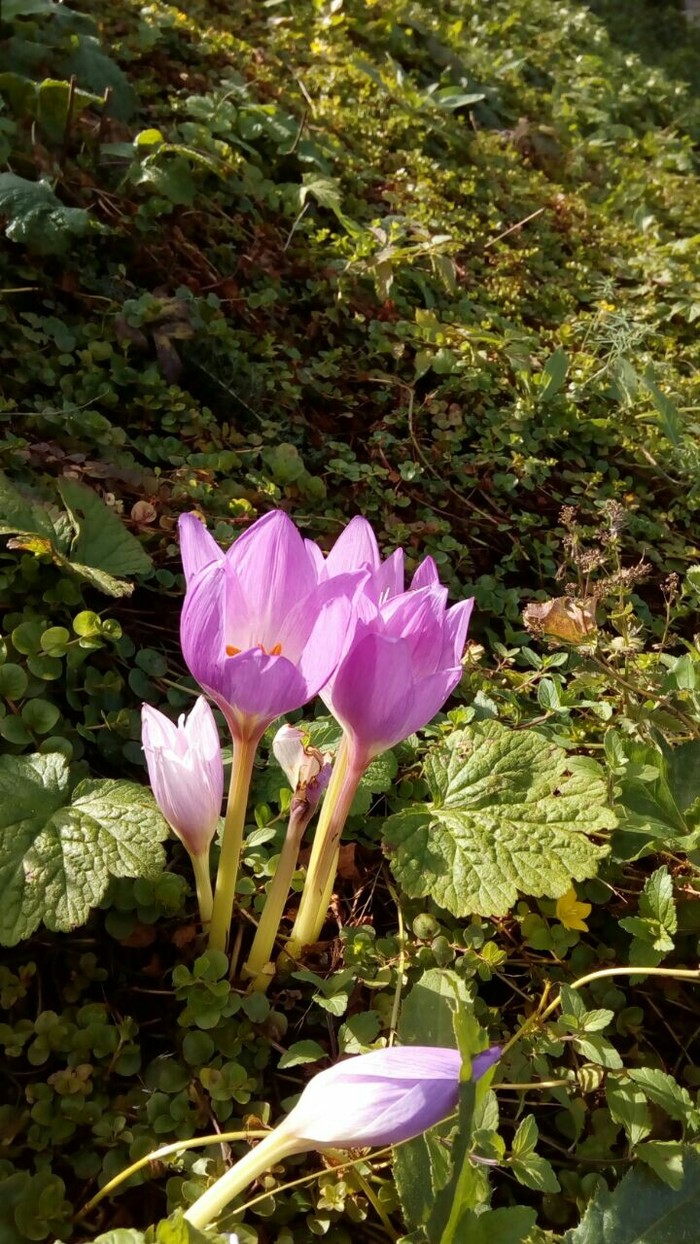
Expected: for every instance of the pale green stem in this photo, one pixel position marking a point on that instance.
(273, 911)
(318, 887)
(202, 881)
(231, 842)
(273, 1149)
(157, 1155)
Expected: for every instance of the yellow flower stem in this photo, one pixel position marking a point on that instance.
(273, 911)
(275, 1147)
(231, 842)
(543, 1012)
(202, 880)
(323, 864)
(156, 1155)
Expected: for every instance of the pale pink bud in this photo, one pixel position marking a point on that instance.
(186, 772)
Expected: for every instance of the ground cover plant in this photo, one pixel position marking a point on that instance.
(434, 265)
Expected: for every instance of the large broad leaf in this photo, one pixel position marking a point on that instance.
(102, 541)
(101, 548)
(36, 216)
(643, 1210)
(511, 811)
(57, 852)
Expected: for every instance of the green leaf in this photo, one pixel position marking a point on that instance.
(37, 217)
(535, 1172)
(19, 513)
(301, 1052)
(497, 1226)
(507, 815)
(58, 104)
(57, 853)
(643, 1210)
(661, 1089)
(665, 1157)
(656, 900)
(555, 370)
(628, 1105)
(102, 541)
(525, 1138)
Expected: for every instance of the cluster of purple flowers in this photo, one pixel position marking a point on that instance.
(266, 627)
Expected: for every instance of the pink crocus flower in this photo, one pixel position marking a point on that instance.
(186, 772)
(401, 662)
(187, 776)
(258, 631)
(381, 1098)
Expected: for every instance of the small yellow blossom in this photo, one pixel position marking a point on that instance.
(571, 913)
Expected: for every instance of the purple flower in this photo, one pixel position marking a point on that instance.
(258, 630)
(381, 1098)
(186, 772)
(403, 663)
(356, 549)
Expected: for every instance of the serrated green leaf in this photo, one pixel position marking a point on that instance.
(102, 541)
(628, 1105)
(57, 854)
(656, 900)
(643, 1210)
(37, 217)
(665, 1157)
(506, 816)
(597, 1050)
(661, 1089)
(525, 1138)
(535, 1172)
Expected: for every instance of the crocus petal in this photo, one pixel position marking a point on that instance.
(419, 618)
(372, 693)
(273, 569)
(429, 695)
(288, 748)
(197, 547)
(186, 772)
(355, 547)
(255, 688)
(381, 1098)
(202, 626)
(388, 579)
(426, 574)
(456, 625)
(315, 556)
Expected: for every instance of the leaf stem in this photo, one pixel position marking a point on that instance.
(231, 842)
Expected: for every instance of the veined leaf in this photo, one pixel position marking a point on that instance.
(507, 815)
(37, 217)
(643, 1210)
(58, 852)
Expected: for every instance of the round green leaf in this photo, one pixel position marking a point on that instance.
(40, 716)
(13, 681)
(14, 731)
(152, 662)
(87, 623)
(26, 637)
(57, 743)
(55, 640)
(46, 668)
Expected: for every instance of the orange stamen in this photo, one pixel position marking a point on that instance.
(231, 651)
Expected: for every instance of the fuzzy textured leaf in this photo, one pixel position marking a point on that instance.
(57, 852)
(509, 813)
(102, 541)
(643, 1210)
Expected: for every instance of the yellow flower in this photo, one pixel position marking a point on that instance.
(571, 913)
